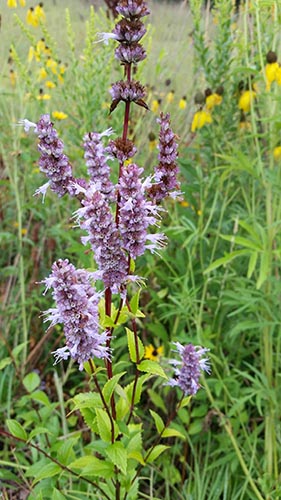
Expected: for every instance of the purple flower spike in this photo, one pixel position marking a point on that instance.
(132, 9)
(136, 214)
(96, 218)
(53, 162)
(77, 308)
(188, 368)
(165, 173)
(96, 161)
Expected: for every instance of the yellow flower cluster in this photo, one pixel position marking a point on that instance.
(207, 102)
(35, 15)
(153, 353)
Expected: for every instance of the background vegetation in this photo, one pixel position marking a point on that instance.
(217, 283)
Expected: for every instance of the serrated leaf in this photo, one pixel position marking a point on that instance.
(89, 416)
(110, 386)
(158, 421)
(118, 455)
(93, 466)
(136, 455)
(156, 451)
(170, 432)
(5, 362)
(87, 400)
(31, 381)
(16, 429)
(132, 346)
(106, 426)
(152, 367)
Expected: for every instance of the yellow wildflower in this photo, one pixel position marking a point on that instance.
(182, 103)
(12, 4)
(31, 18)
(246, 100)
(39, 12)
(13, 78)
(22, 3)
(59, 115)
(184, 204)
(153, 353)
(278, 75)
(200, 119)
(52, 65)
(40, 46)
(42, 96)
(199, 212)
(155, 105)
(42, 74)
(60, 79)
(271, 73)
(62, 69)
(49, 84)
(170, 96)
(213, 100)
(277, 153)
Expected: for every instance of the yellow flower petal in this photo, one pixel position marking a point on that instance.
(59, 115)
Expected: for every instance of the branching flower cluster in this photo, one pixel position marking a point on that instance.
(119, 219)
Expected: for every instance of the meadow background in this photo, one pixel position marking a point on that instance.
(216, 284)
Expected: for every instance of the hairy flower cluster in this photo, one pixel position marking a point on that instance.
(128, 32)
(96, 218)
(96, 161)
(77, 308)
(53, 162)
(132, 9)
(121, 149)
(188, 368)
(127, 91)
(136, 214)
(165, 173)
(133, 53)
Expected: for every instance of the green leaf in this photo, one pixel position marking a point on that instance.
(132, 346)
(37, 431)
(158, 421)
(16, 429)
(105, 426)
(18, 349)
(41, 397)
(48, 470)
(31, 381)
(110, 386)
(152, 367)
(170, 432)
(134, 302)
(156, 451)
(185, 401)
(92, 466)
(252, 264)
(244, 242)
(157, 400)
(225, 260)
(87, 400)
(118, 455)
(57, 495)
(5, 362)
(264, 269)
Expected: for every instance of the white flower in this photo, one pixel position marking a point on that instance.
(27, 124)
